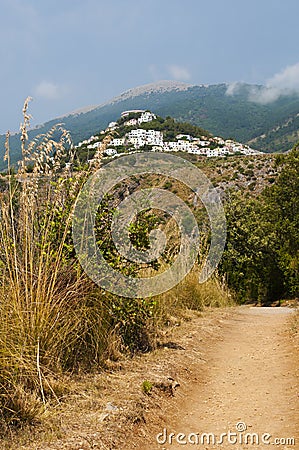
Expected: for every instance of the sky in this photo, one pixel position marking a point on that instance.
(68, 54)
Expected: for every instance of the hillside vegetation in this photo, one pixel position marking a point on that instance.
(269, 128)
(261, 261)
(56, 322)
(248, 172)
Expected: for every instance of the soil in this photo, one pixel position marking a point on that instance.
(247, 384)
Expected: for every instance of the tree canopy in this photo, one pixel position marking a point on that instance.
(261, 260)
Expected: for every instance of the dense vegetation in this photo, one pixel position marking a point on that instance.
(55, 322)
(261, 261)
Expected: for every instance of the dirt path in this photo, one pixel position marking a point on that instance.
(249, 380)
(234, 366)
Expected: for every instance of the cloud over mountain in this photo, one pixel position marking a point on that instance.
(285, 82)
(49, 90)
(179, 72)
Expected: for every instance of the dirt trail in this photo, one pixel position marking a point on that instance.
(250, 378)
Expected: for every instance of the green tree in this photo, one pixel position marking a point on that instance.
(283, 201)
(250, 258)
(261, 259)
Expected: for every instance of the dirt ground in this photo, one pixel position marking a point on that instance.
(218, 372)
(248, 385)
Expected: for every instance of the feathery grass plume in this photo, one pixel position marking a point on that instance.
(51, 315)
(6, 154)
(95, 163)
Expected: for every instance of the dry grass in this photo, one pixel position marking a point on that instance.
(190, 295)
(51, 321)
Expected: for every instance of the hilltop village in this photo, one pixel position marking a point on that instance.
(133, 132)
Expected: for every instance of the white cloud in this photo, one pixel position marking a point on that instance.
(283, 83)
(233, 88)
(265, 94)
(179, 72)
(287, 79)
(48, 90)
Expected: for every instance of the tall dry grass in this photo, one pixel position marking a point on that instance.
(190, 295)
(51, 318)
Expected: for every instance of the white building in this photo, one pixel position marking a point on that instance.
(199, 151)
(202, 143)
(184, 136)
(146, 116)
(139, 137)
(138, 133)
(131, 122)
(212, 152)
(219, 140)
(112, 125)
(182, 146)
(95, 145)
(117, 142)
(131, 111)
(155, 137)
(110, 151)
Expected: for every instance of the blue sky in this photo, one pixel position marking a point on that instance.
(69, 54)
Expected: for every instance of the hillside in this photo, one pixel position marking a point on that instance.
(145, 131)
(229, 164)
(270, 128)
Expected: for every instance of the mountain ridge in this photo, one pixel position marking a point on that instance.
(159, 86)
(272, 127)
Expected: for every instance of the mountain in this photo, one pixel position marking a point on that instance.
(230, 113)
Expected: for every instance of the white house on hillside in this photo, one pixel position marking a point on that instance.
(141, 137)
(110, 151)
(146, 116)
(116, 142)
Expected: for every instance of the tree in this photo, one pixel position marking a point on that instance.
(283, 200)
(250, 258)
(261, 259)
